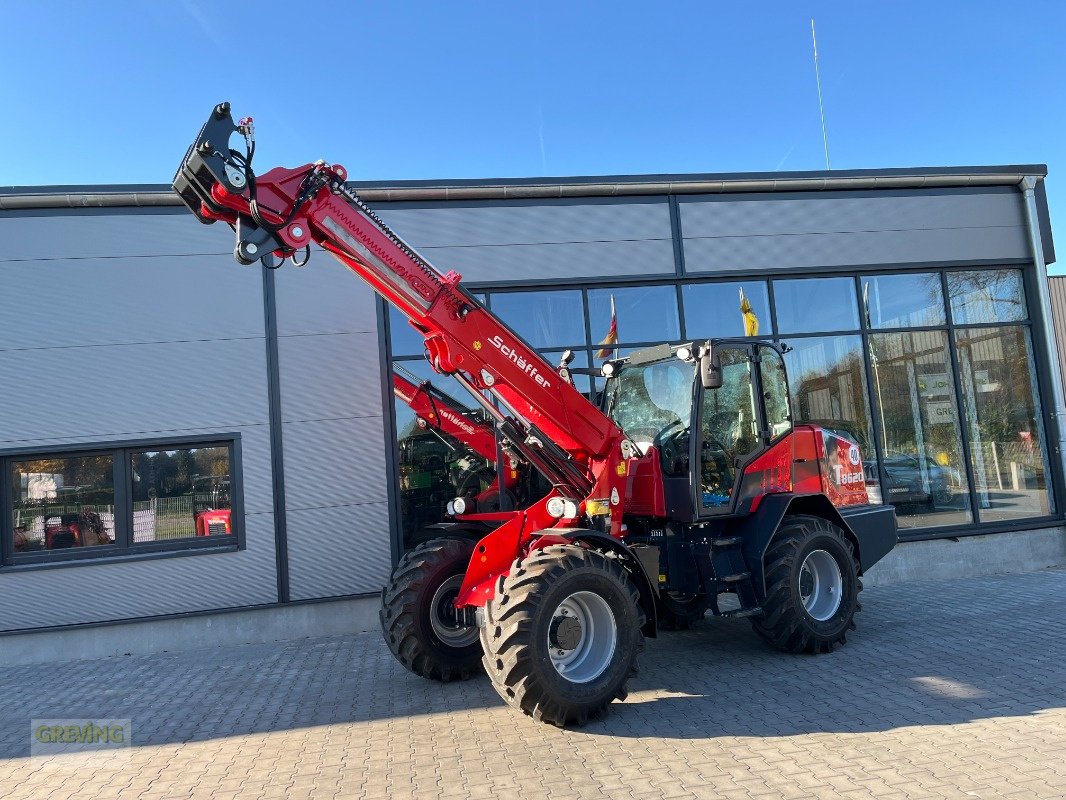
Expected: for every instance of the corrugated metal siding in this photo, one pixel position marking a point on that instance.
(526, 240)
(124, 326)
(1057, 285)
(333, 432)
(850, 229)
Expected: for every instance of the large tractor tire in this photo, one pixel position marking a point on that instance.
(812, 587)
(679, 612)
(418, 616)
(562, 634)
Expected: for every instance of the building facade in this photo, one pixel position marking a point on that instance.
(183, 435)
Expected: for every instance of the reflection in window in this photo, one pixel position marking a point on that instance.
(715, 309)
(543, 319)
(811, 305)
(1002, 413)
(181, 493)
(923, 473)
(992, 295)
(903, 301)
(582, 380)
(405, 340)
(828, 385)
(63, 502)
(775, 392)
(644, 313)
(447, 449)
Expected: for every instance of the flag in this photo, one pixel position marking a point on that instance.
(612, 335)
(751, 322)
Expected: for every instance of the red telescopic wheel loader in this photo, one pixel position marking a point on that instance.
(691, 484)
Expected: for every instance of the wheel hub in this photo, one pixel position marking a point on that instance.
(444, 617)
(564, 633)
(582, 637)
(821, 585)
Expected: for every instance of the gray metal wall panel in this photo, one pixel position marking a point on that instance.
(332, 434)
(337, 551)
(106, 391)
(815, 250)
(116, 233)
(330, 376)
(334, 462)
(123, 300)
(846, 212)
(97, 592)
(540, 240)
(529, 222)
(114, 332)
(794, 231)
(542, 262)
(324, 297)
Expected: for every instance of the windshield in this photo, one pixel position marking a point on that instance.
(652, 402)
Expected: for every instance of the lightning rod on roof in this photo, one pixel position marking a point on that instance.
(821, 106)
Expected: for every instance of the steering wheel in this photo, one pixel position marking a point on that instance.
(673, 444)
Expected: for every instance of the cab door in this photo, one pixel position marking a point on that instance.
(738, 421)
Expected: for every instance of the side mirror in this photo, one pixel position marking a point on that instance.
(710, 368)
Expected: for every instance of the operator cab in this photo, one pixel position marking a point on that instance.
(732, 393)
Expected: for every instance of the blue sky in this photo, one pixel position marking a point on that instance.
(109, 92)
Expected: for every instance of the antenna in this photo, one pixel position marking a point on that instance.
(821, 107)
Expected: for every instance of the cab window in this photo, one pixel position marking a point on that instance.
(729, 428)
(775, 392)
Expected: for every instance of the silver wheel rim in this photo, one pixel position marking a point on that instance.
(821, 585)
(582, 637)
(444, 619)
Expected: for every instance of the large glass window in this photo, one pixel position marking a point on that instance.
(931, 373)
(543, 319)
(903, 301)
(63, 502)
(406, 341)
(922, 470)
(447, 448)
(828, 385)
(811, 305)
(642, 314)
(181, 493)
(119, 500)
(1002, 412)
(991, 295)
(717, 310)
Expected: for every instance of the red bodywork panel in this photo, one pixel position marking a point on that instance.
(829, 464)
(644, 485)
(809, 460)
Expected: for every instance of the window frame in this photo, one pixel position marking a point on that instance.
(123, 548)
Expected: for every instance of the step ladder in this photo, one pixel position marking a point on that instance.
(731, 574)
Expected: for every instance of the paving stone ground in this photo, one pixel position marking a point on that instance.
(948, 689)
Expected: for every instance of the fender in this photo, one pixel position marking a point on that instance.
(605, 543)
(870, 529)
(474, 530)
